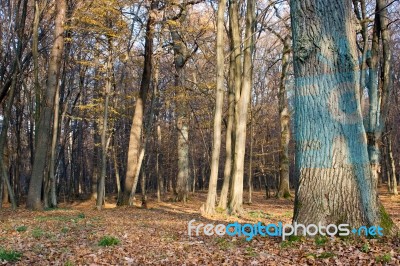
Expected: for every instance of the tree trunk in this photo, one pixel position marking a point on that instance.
(136, 178)
(181, 55)
(143, 188)
(183, 142)
(50, 182)
(390, 167)
(362, 17)
(5, 178)
(137, 121)
(95, 159)
(385, 171)
(229, 144)
(35, 55)
(116, 169)
(373, 119)
(104, 128)
(43, 135)
(284, 117)
(335, 183)
(243, 98)
(250, 177)
(209, 207)
(160, 183)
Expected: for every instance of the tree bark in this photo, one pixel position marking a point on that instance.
(229, 143)
(390, 167)
(209, 207)
(242, 103)
(116, 169)
(284, 117)
(181, 55)
(250, 177)
(35, 55)
(160, 183)
(137, 121)
(335, 183)
(374, 118)
(104, 128)
(45, 120)
(50, 182)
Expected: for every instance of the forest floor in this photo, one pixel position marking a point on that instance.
(75, 235)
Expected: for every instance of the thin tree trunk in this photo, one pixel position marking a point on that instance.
(160, 183)
(116, 169)
(386, 71)
(143, 187)
(229, 145)
(43, 134)
(209, 207)
(50, 182)
(373, 119)
(35, 55)
(96, 159)
(3, 141)
(390, 167)
(284, 117)
(2, 191)
(250, 177)
(104, 127)
(362, 17)
(386, 164)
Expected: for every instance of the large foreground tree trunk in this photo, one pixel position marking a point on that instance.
(135, 139)
(45, 120)
(335, 184)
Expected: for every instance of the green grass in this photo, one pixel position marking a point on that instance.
(37, 232)
(107, 241)
(385, 258)
(69, 263)
(249, 251)
(53, 218)
(259, 214)
(290, 241)
(169, 238)
(288, 214)
(9, 255)
(61, 218)
(219, 210)
(21, 228)
(365, 248)
(326, 255)
(223, 243)
(287, 195)
(323, 255)
(321, 240)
